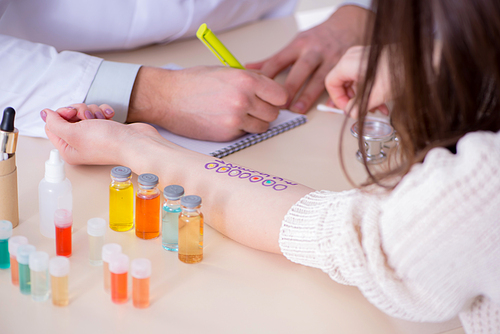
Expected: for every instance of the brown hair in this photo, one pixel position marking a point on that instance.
(439, 99)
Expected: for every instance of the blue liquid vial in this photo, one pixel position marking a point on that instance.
(5, 234)
(170, 217)
(23, 255)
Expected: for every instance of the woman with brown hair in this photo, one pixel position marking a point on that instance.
(422, 240)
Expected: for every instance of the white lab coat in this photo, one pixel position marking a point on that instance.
(35, 75)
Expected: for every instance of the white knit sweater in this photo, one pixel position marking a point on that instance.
(426, 251)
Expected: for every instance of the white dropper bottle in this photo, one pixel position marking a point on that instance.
(54, 192)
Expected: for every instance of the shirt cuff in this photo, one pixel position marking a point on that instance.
(113, 85)
(366, 4)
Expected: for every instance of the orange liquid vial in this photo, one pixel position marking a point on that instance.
(119, 288)
(140, 288)
(147, 207)
(14, 270)
(14, 243)
(118, 267)
(141, 272)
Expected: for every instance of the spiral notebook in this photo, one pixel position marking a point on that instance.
(286, 120)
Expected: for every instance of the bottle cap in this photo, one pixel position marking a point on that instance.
(15, 242)
(5, 229)
(54, 168)
(39, 261)
(191, 201)
(23, 253)
(141, 268)
(118, 264)
(110, 249)
(8, 133)
(121, 173)
(96, 227)
(173, 192)
(59, 266)
(63, 218)
(8, 117)
(148, 179)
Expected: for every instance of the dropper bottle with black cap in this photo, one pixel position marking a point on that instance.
(8, 170)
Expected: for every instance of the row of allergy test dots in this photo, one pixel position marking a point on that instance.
(30, 268)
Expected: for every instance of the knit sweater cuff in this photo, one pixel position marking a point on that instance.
(314, 229)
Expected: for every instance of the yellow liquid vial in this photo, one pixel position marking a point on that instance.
(121, 206)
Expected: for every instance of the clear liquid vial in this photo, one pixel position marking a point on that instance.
(96, 228)
(39, 271)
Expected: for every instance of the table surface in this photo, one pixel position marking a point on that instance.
(235, 289)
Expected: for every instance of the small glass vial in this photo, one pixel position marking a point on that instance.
(191, 230)
(147, 207)
(141, 272)
(96, 228)
(108, 250)
(63, 219)
(5, 234)
(121, 200)
(14, 243)
(59, 271)
(39, 270)
(170, 217)
(23, 256)
(118, 267)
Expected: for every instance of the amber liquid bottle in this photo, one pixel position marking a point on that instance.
(191, 230)
(147, 207)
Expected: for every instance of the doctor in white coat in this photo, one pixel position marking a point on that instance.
(38, 72)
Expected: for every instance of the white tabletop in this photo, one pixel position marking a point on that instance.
(235, 289)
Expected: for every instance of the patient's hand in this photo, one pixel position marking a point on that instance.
(79, 111)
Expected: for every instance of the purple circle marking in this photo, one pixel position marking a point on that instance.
(279, 187)
(223, 169)
(256, 179)
(211, 165)
(268, 183)
(234, 173)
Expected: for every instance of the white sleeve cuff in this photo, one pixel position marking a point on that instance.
(113, 85)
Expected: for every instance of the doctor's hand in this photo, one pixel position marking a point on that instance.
(342, 82)
(313, 53)
(208, 103)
